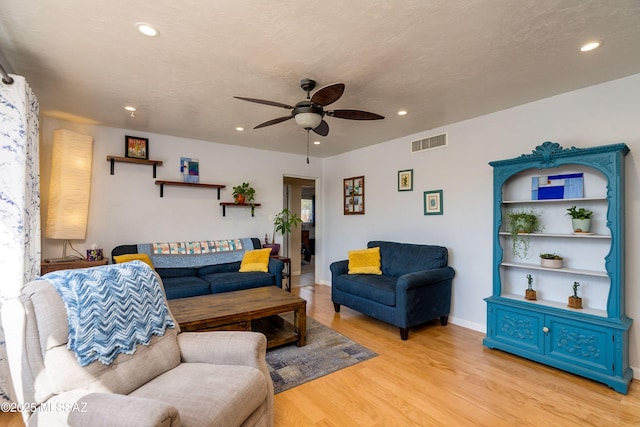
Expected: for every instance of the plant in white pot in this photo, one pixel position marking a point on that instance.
(550, 260)
(580, 219)
(282, 223)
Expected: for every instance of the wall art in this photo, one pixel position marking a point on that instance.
(405, 180)
(433, 202)
(353, 193)
(136, 147)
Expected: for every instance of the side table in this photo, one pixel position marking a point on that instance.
(286, 272)
(48, 267)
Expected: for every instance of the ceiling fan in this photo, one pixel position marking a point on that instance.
(310, 113)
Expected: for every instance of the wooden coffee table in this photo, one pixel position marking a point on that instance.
(246, 310)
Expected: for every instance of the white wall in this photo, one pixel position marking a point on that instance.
(605, 114)
(126, 207)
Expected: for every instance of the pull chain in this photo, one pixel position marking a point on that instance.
(307, 146)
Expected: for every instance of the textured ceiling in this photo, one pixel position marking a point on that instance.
(442, 60)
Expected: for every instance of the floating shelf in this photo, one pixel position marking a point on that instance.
(162, 183)
(225, 204)
(113, 159)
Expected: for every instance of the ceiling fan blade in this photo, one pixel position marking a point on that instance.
(322, 129)
(273, 122)
(328, 94)
(354, 115)
(262, 101)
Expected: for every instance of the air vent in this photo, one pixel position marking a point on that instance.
(429, 143)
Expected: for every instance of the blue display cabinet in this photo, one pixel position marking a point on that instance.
(591, 341)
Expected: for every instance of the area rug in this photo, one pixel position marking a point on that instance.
(326, 351)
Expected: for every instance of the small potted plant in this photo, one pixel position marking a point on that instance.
(243, 193)
(282, 223)
(580, 219)
(550, 260)
(521, 224)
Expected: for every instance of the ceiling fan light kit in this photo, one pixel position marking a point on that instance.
(308, 120)
(309, 114)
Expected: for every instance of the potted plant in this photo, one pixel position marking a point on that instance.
(243, 193)
(580, 219)
(521, 224)
(282, 223)
(550, 260)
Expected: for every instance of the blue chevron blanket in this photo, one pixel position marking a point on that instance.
(111, 309)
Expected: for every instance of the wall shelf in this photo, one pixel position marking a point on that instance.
(225, 204)
(162, 183)
(113, 159)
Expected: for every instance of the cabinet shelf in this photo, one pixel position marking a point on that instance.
(555, 270)
(113, 159)
(162, 183)
(556, 305)
(582, 199)
(561, 235)
(251, 205)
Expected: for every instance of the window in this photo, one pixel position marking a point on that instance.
(307, 210)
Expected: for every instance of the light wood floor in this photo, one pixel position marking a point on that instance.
(442, 376)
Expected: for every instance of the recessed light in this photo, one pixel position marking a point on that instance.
(239, 128)
(316, 142)
(590, 46)
(402, 112)
(130, 108)
(147, 29)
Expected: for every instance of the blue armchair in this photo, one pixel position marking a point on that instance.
(414, 288)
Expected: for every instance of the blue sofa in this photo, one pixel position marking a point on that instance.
(414, 288)
(188, 275)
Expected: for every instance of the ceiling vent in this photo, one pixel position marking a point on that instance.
(429, 143)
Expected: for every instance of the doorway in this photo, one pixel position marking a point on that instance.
(299, 196)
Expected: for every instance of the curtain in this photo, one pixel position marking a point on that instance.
(19, 199)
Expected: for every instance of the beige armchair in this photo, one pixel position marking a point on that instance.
(180, 379)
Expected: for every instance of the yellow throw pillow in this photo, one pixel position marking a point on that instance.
(134, 257)
(255, 260)
(365, 261)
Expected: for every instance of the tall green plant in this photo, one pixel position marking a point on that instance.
(283, 221)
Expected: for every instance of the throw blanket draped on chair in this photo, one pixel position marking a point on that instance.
(108, 309)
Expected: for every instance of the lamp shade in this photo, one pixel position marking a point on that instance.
(70, 185)
(308, 120)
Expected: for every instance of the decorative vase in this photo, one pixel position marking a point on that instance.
(550, 263)
(581, 225)
(275, 248)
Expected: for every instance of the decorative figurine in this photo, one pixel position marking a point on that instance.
(530, 294)
(574, 300)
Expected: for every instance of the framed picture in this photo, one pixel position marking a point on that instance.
(433, 202)
(136, 147)
(405, 180)
(353, 193)
(190, 169)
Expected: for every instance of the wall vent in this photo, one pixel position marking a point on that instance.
(429, 143)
